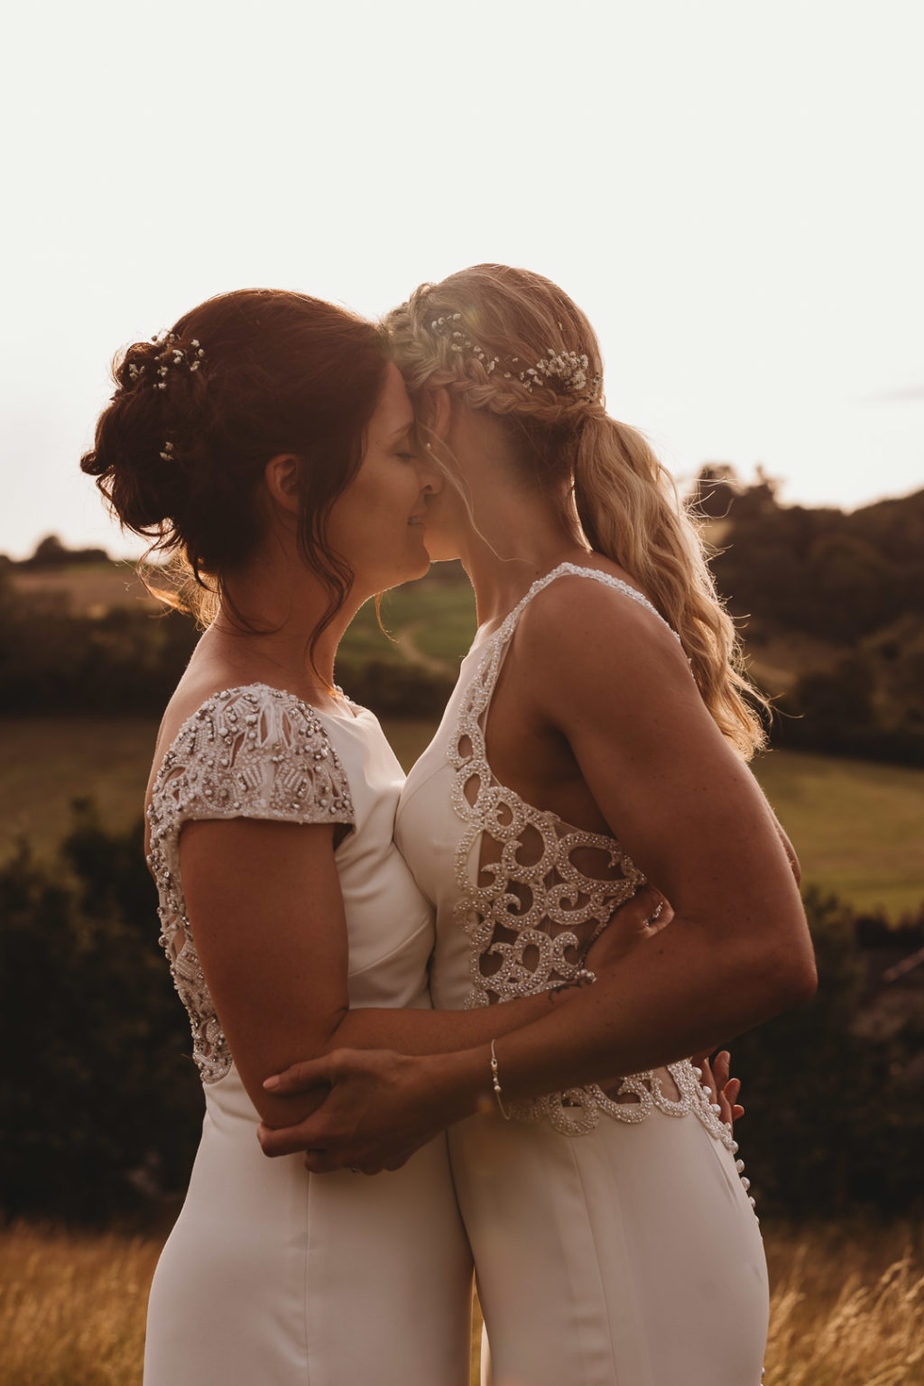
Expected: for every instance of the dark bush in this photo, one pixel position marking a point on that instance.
(102, 1105)
(835, 1102)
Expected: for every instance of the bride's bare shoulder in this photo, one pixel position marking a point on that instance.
(583, 615)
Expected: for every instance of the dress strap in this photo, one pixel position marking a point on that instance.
(493, 651)
(508, 625)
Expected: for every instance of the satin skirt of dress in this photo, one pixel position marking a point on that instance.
(275, 1277)
(629, 1256)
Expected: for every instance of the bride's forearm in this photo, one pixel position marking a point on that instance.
(436, 1032)
(419, 1032)
(670, 998)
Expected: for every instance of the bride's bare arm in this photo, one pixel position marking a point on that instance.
(693, 819)
(614, 681)
(267, 917)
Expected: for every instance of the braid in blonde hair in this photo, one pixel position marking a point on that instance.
(512, 343)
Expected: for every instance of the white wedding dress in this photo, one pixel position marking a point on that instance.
(273, 1276)
(614, 1242)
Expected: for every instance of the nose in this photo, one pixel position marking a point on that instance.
(430, 475)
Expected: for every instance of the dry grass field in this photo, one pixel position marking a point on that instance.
(848, 1307)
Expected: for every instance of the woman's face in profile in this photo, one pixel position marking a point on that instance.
(378, 521)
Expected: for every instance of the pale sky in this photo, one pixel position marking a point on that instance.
(731, 191)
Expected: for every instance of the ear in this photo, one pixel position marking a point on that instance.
(282, 476)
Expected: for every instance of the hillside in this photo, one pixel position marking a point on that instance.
(833, 609)
(831, 606)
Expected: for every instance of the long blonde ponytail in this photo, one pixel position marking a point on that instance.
(511, 342)
(629, 510)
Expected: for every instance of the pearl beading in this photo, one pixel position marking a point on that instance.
(248, 752)
(530, 925)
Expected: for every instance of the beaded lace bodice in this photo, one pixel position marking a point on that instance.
(250, 752)
(539, 893)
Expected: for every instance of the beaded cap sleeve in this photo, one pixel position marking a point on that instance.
(538, 894)
(251, 752)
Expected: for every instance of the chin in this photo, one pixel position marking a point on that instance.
(440, 548)
(422, 568)
(416, 566)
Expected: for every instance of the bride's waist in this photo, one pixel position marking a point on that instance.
(227, 1102)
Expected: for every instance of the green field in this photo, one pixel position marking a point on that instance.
(856, 826)
(429, 622)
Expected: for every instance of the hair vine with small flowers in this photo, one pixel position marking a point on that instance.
(171, 356)
(483, 334)
(567, 372)
(154, 363)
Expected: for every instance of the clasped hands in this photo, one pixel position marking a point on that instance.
(381, 1106)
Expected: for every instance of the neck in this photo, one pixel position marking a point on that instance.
(515, 532)
(266, 622)
(521, 542)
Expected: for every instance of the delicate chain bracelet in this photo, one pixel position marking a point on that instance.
(495, 1083)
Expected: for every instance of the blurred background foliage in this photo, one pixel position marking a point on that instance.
(101, 1102)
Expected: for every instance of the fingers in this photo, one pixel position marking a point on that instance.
(288, 1140)
(301, 1077)
(706, 1077)
(731, 1091)
(661, 914)
(646, 909)
(718, 1086)
(728, 1088)
(712, 1087)
(645, 913)
(721, 1064)
(329, 1161)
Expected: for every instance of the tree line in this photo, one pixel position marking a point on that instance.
(102, 1106)
(852, 585)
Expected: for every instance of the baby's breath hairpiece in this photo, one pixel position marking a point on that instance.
(567, 369)
(170, 356)
(458, 341)
(176, 356)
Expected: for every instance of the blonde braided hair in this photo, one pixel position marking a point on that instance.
(512, 343)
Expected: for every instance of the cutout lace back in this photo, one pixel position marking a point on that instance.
(254, 752)
(542, 892)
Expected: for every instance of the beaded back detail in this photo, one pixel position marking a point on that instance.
(542, 892)
(251, 752)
